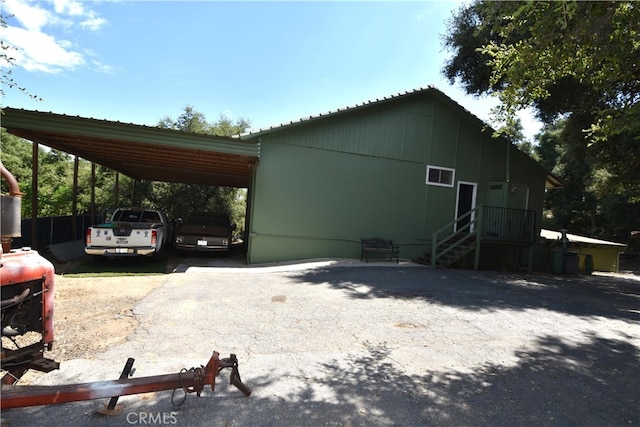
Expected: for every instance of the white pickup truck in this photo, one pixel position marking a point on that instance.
(130, 232)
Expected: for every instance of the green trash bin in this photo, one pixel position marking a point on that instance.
(556, 262)
(570, 262)
(588, 264)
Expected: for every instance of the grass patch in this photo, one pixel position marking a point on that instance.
(93, 266)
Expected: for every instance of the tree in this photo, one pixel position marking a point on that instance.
(16, 157)
(559, 57)
(573, 207)
(193, 121)
(55, 179)
(589, 202)
(189, 121)
(512, 130)
(180, 199)
(578, 62)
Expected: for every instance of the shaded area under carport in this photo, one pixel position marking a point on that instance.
(140, 152)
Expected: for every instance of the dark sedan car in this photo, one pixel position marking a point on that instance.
(204, 231)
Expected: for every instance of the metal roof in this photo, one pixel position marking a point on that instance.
(304, 120)
(575, 238)
(140, 152)
(155, 154)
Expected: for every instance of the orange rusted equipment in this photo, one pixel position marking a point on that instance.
(26, 309)
(191, 381)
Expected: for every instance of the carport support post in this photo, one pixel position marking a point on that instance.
(74, 201)
(93, 191)
(34, 195)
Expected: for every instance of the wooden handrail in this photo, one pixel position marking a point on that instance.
(513, 225)
(434, 242)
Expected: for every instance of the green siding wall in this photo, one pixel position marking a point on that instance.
(388, 131)
(316, 203)
(322, 185)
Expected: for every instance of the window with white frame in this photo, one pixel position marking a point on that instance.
(437, 175)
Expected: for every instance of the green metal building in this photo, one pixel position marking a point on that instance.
(416, 168)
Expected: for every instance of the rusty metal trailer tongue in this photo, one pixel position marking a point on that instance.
(190, 381)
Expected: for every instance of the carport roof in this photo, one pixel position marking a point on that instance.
(575, 238)
(140, 152)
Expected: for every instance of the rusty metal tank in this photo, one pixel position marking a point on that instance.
(10, 210)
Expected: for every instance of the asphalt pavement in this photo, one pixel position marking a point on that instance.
(343, 343)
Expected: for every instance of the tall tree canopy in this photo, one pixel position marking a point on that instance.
(574, 61)
(559, 57)
(590, 202)
(193, 121)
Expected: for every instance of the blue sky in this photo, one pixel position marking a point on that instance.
(269, 62)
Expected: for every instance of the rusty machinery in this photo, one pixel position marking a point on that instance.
(27, 296)
(27, 285)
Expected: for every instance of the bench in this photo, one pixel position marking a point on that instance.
(378, 246)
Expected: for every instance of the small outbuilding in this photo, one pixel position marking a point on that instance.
(604, 255)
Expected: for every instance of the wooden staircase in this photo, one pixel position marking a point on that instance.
(448, 253)
(483, 224)
(445, 251)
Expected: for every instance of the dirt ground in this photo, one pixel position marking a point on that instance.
(93, 314)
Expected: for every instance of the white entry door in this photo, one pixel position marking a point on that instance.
(465, 202)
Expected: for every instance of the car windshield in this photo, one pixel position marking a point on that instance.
(127, 216)
(203, 219)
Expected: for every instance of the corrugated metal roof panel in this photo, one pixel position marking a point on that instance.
(141, 152)
(574, 238)
(367, 104)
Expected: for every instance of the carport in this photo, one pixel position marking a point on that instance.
(139, 152)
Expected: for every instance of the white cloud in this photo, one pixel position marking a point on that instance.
(104, 68)
(93, 22)
(531, 126)
(41, 52)
(68, 7)
(38, 48)
(31, 16)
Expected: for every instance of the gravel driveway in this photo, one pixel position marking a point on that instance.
(383, 345)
